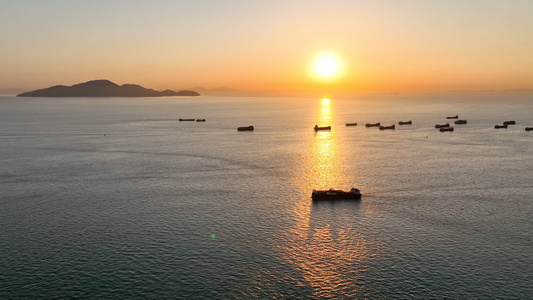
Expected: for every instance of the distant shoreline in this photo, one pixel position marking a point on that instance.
(103, 88)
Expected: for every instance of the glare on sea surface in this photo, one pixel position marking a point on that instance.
(317, 249)
(324, 150)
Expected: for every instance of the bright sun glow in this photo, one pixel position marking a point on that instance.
(326, 66)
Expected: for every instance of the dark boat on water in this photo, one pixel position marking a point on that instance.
(529, 128)
(200, 120)
(373, 124)
(181, 120)
(442, 125)
(322, 128)
(351, 124)
(387, 127)
(460, 122)
(443, 129)
(405, 122)
(454, 117)
(332, 194)
(247, 128)
(509, 123)
(500, 126)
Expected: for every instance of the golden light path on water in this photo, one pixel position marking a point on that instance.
(329, 258)
(324, 153)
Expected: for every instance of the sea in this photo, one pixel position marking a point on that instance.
(115, 198)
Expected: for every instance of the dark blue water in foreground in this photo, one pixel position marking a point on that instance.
(116, 199)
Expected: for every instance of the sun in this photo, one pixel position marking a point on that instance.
(326, 66)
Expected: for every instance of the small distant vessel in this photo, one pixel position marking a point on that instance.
(460, 122)
(387, 127)
(500, 126)
(246, 128)
(181, 120)
(509, 123)
(351, 124)
(322, 128)
(200, 120)
(529, 128)
(373, 124)
(442, 125)
(454, 117)
(332, 194)
(443, 129)
(405, 122)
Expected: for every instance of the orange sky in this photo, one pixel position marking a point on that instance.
(383, 46)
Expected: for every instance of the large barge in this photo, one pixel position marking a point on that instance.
(332, 194)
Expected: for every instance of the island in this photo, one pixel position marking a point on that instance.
(103, 88)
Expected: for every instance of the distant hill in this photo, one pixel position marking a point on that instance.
(103, 88)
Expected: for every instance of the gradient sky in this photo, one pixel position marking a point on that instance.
(389, 46)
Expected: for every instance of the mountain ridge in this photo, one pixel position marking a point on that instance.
(103, 88)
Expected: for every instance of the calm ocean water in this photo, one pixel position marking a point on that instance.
(116, 199)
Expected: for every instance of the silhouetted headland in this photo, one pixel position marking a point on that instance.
(103, 88)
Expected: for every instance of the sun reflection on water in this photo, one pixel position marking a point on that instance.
(329, 254)
(324, 153)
